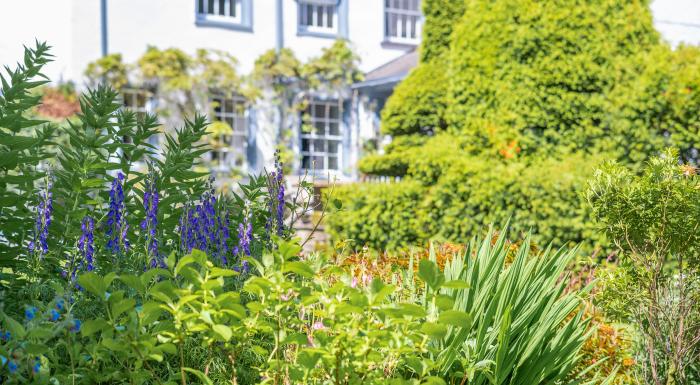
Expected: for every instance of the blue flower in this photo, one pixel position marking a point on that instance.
(44, 210)
(5, 336)
(54, 316)
(12, 367)
(76, 326)
(30, 313)
(85, 243)
(3, 360)
(60, 304)
(116, 225)
(37, 365)
(150, 224)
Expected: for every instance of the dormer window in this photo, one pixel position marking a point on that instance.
(318, 17)
(402, 21)
(224, 13)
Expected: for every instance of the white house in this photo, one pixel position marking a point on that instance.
(384, 33)
(82, 30)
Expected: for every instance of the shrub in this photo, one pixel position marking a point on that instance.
(522, 72)
(447, 196)
(379, 215)
(418, 103)
(440, 18)
(653, 219)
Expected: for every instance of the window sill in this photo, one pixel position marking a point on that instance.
(321, 34)
(400, 43)
(202, 22)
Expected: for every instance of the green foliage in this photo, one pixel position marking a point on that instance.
(24, 145)
(523, 326)
(418, 103)
(379, 215)
(546, 88)
(652, 218)
(448, 196)
(108, 69)
(440, 19)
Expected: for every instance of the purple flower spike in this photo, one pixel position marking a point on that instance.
(44, 211)
(116, 225)
(86, 242)
(150, 224)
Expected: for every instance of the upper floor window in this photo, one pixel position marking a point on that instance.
(224, 12)
(318, 16)
(321, 139)
(402, 21)
(230, 147)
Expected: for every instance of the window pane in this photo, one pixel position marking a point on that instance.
(217, 105)
(211, 7)
(333, 129)
(319, 145)
(309, 15)
(332, 163)
(306, 162)
(222, 7)
(228, 105)
(319, 111)
(234, 8)
(200, 8)
(333, 111)
(320, 128)
(319, 16)
(305, 145)
(329, 16)
(318, 163)
(333, 146)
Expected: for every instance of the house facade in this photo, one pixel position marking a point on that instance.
(384, 34)
(379, 31)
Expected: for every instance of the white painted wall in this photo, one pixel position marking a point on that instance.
(73, 28)
(677, 20)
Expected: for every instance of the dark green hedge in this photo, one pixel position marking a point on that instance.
(467, 196)
(418, 103)
(440, 18)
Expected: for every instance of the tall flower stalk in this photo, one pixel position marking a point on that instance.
(86, 243)
(204, 227)
(44, 210)
(150, 223)
(116, 225)
(276, 190)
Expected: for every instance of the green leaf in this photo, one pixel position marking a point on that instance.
(93, 283)
(429, 272)
(223, 331)
(92, 326)
(202, 377)
(455, 318)
(456, 284)
(300, 268)
(15, 328)
(433, 330)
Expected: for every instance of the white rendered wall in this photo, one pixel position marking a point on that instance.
(677, 20)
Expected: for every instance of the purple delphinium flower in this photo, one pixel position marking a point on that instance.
(86, 242)
(44, 211)
(245, 235)
(276, 192)
(150, 223)
(202, 226)
(116, 225)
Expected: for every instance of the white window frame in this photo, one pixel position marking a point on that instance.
(242, 133)
(216, 18)
(400, 14)
(314, 28)
(313, 137)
